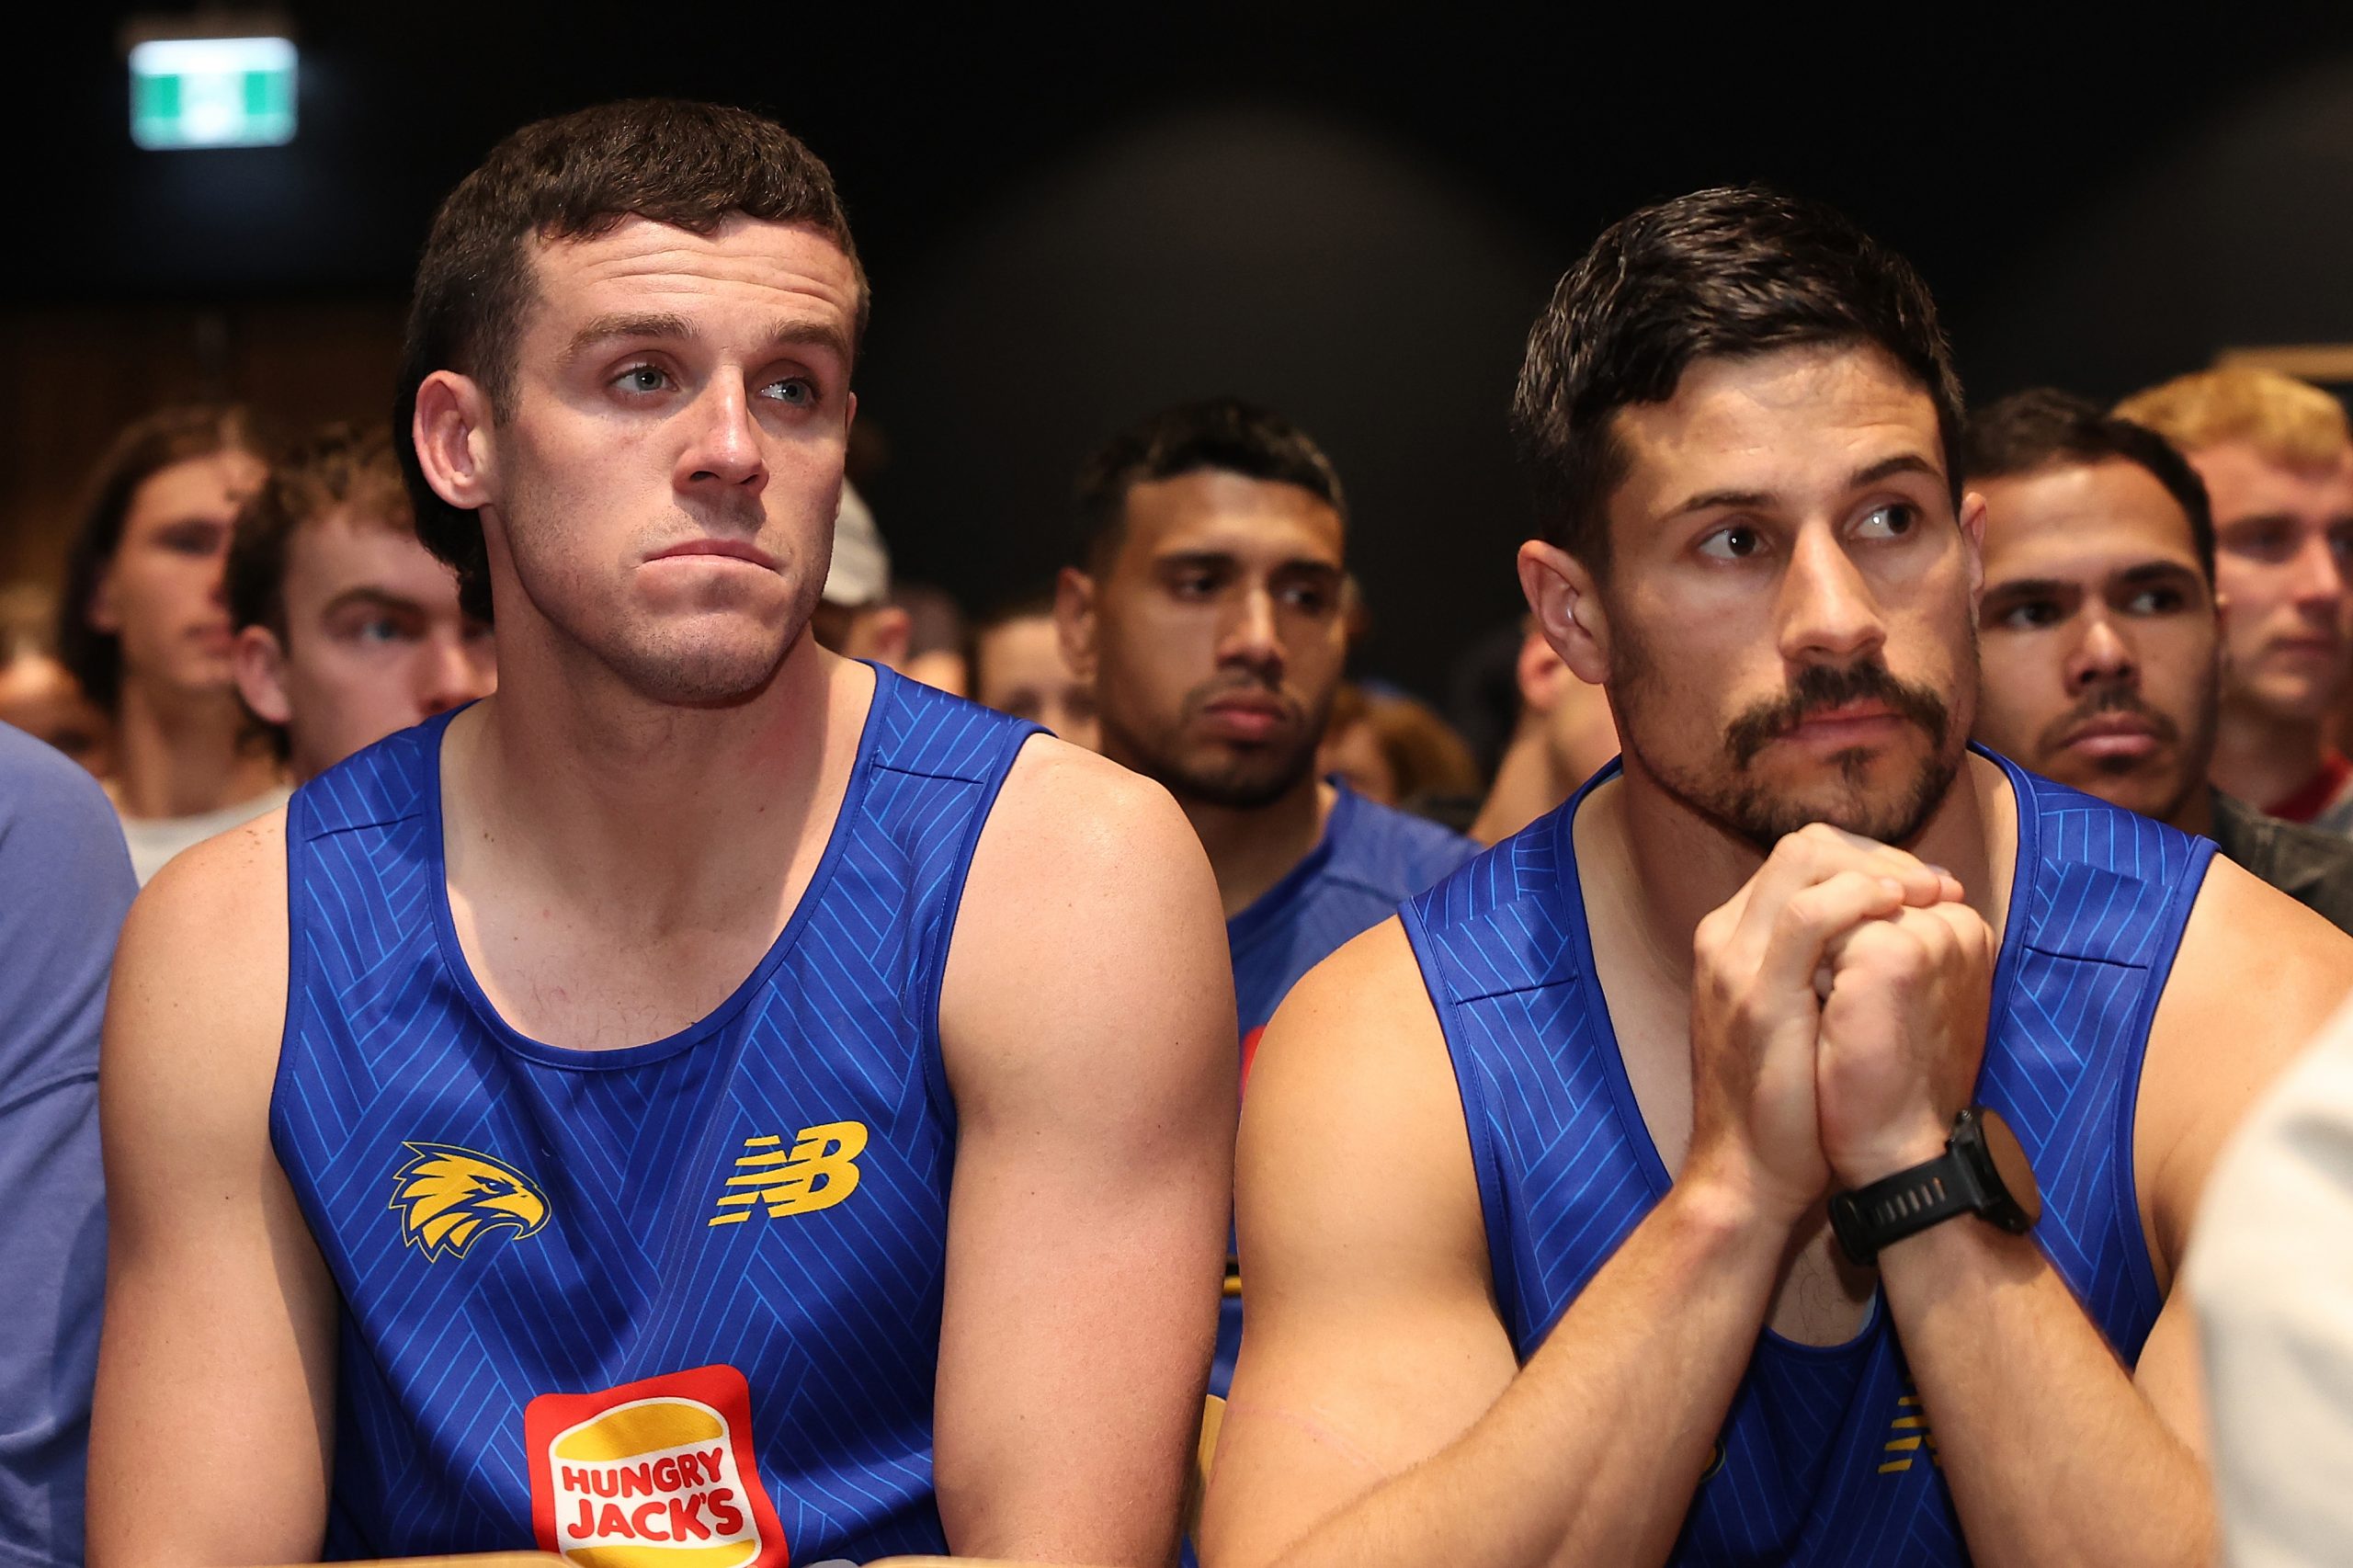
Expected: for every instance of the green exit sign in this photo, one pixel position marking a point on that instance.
(212, 92)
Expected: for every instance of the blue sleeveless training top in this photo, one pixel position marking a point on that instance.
(1825, 1458)
(671, 1306)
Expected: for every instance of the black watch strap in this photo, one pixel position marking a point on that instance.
(1895, 1207)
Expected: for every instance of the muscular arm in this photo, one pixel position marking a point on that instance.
(210, 1440)
(1378, 1415)
(2056, 1453)
(1087, 1021)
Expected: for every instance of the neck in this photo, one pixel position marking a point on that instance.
(1251, 850)
(1670, 867)
(1530, 781)
(183, 754)
(569, 784)
(2262, 757)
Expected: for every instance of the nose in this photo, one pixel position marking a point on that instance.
(1828, 615)
(453, 669)
(2319, 576)
(2102, 657)
(724, 455)
(1247, 635)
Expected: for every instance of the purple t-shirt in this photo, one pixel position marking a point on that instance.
(65, 884)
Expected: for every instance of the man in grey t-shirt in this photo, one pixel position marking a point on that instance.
(65, 884)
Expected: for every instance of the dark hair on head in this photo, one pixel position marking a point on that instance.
(692, 166)
(1222, 435)
(339, 466)
(2043, 427)
(1722, 273)
(143, 450)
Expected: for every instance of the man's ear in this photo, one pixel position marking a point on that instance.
(1972, 538)
(1075, 621)
(258, 661)
(102, 614)
(1566, 602)
(887, 630)
(1539, 672)
(452, 429)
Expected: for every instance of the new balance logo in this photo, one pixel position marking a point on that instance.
(1911, 1431)
(819, 1171)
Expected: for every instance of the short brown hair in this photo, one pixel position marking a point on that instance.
(143, 450)
(692, 166)
(342, 466)
(2292, 423)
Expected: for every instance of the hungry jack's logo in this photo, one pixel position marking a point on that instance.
(449, 1197)
(657, 1473)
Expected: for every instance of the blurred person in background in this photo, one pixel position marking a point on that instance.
(1394, 749)
(854, 617)
(143, 626)
(38, 694)
(1017, 668)
(348, 628)
(65, 884)
(1208, 615)
(2277, 460)
(2099, 637)
(935, 637)
(1564, 736)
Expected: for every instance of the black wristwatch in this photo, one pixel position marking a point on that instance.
(1982, 1172)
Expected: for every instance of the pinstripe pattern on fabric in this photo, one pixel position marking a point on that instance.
(832, 1315)
(1819, 1466)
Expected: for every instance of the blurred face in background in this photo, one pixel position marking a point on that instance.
(2283, 541)
(1215, 636)
(374, 641)
(2098, 633)
(161, 594)
(1018, 669)
(1789, 596)
(38, 695)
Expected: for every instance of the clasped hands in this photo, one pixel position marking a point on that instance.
(1838, 1015)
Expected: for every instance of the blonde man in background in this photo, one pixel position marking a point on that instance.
(2276, 459)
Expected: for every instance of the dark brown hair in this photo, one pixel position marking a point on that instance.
(2043, 426)
(692, 166)
(142, 451)
(1222, 434)
(1723, 273)
(342, 465)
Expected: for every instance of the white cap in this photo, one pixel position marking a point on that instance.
(860, 575)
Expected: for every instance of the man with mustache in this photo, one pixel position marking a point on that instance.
(2276, 459)
(2101, 633)
(1207, 613)
(1782, 1152)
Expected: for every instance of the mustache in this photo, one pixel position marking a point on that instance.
(1820, 688)
(2109, 699)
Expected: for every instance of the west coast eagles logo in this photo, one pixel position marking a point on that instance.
(449, 1197)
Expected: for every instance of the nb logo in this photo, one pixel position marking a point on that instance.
(1912, 1434)
(817, 1172)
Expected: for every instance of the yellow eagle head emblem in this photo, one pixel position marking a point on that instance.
(449, 1197)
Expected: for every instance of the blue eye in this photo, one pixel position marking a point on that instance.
(793, 391)
(641, 378)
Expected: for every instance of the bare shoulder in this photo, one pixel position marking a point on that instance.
(199, 976)
(2256, 976)
(1063, 800)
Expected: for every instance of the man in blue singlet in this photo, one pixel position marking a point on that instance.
(712, 1102)
(1207, 614)
(1783, 1150)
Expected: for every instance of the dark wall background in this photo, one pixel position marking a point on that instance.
(1353, 218)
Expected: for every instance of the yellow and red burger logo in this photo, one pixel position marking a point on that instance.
(653, 1474)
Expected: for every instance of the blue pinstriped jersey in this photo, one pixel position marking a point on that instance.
(1825, 1457)
(671, 1306)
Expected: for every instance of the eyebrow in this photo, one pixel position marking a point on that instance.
(2057, 587)
(377, 598)
(785, 334)
(1182, 558)
(1886, 468)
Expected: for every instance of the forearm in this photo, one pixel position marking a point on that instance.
(1593, 1452)
(2054, 1454)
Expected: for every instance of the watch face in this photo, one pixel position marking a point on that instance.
(2010, 1164)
